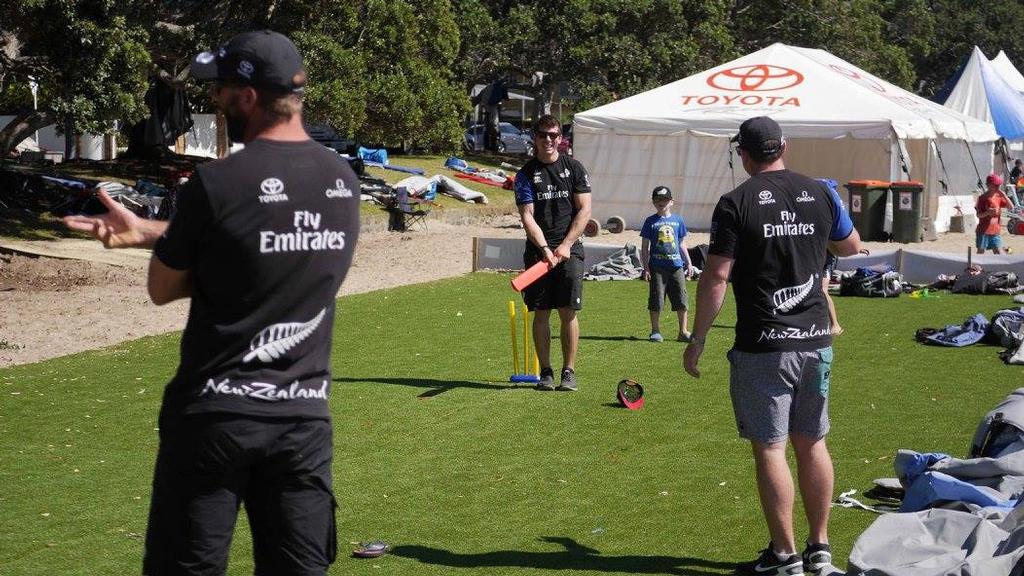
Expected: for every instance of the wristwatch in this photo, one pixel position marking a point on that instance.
(695, 339)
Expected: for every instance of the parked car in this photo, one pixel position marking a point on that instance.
(511, 140)
(328, 137)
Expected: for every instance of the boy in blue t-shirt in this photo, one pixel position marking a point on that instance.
(666, 262)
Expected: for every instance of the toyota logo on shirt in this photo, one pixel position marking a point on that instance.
(755, 78)
(273, 191)
(765, 197)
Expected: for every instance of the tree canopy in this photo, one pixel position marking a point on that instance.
(400, 71)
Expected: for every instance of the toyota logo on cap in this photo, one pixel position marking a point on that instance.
(271, 186)
(755, 78)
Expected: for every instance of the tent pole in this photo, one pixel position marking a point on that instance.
(732, 170)
(975, 164)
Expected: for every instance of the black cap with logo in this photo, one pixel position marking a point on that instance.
(761, 136)
(661, 193)
(263, 58)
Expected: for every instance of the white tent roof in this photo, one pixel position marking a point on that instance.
(982, 91)
(1008, 71)
(810, 92)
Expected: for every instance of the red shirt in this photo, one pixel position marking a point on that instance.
(987, 201)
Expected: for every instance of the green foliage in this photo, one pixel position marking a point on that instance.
(337, 91)
(398, 71)
(462, 473)
(95, 60)
(411, 95)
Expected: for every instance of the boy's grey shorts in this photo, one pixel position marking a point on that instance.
(667, 280)
(778, 393)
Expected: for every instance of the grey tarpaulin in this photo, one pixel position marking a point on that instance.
(957, 537)
(622, 264)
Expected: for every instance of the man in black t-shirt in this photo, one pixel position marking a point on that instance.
(260, 242)
(772, 233)
(553, 196)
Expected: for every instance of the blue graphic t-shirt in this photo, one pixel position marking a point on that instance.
(666, 236)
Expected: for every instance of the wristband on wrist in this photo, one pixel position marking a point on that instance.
(695, 339)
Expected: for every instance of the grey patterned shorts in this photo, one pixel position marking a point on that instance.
(778, 393)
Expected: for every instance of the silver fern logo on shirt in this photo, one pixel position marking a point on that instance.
(785, 299)
(272, 190)
(275, 341)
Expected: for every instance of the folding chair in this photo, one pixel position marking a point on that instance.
(408, 210)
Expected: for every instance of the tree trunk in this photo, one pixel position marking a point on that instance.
(69, 137)
(21, 127)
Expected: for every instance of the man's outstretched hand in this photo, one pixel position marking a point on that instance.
(117, 228)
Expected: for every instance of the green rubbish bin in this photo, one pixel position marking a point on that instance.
(906, 211)
(867, 208)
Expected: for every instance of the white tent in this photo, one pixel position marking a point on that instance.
(840, 122)
(982, 91)
(1008, 71)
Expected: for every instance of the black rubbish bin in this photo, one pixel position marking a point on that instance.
(867, 208)
(907, 226)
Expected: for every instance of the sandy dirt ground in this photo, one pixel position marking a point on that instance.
(55, 306)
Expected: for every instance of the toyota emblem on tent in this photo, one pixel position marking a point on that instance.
(756, 78)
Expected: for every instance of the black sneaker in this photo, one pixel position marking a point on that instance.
(769, 564)
(547, 379)
(568, 383)
(818, 560)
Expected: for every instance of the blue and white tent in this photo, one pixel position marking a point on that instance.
(1008, 71)
(984, 89)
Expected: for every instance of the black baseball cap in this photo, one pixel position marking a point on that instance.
(761, 136)
(661, 193)
(263, 59)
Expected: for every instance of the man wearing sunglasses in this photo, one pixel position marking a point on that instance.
(553, 196)
(260, 243)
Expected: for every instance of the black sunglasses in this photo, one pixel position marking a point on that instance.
(549, 135)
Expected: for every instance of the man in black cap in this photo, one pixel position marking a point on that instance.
(772, 233)
(261, 242)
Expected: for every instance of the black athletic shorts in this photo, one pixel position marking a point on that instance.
(559, 288)
(208, 465)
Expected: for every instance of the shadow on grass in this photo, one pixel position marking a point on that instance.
(573, 557)
(25, 225)
(628, 338)
(436, 386)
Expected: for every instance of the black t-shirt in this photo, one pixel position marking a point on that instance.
(776, 227)
(551, 188)
(267, 235)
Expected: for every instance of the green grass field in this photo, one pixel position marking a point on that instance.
(464, 474)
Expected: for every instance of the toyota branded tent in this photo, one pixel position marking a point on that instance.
(983, 89)
(840, 122)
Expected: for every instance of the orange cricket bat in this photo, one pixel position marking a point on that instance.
(530, 275)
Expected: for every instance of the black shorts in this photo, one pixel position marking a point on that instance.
(209, 465)
(559, 288)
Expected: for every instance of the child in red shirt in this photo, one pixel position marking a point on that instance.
(989, 208)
